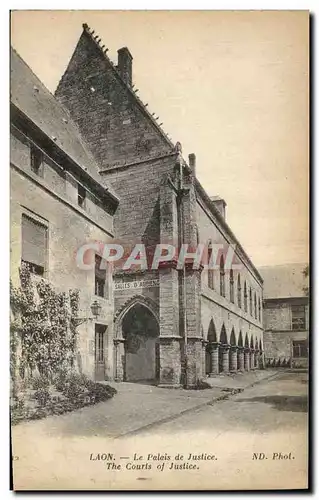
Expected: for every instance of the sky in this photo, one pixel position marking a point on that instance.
(231, 86)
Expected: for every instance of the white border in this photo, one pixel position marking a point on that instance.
(312, 6)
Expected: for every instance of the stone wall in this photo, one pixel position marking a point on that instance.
(48, 200)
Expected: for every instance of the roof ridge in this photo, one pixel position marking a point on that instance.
(92, 167)
(97, 41)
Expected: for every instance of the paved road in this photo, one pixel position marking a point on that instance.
(256, 439)
(276, 405)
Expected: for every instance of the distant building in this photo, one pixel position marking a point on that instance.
(286, 315)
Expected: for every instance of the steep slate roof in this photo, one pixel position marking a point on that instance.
(35, 101)
(284, 281)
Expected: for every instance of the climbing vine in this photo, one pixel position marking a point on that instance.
(43, 326)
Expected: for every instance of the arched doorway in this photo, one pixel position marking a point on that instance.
(232, 338)
(240, 352)
(223, 341)
(233, 363)
(211, 337)
(140, 331)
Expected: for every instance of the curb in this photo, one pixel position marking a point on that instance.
(222, 397)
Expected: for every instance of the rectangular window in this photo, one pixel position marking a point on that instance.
(300, 348)
(298, 317)
(34, 245)
(99, 343)
(81, 196)
(100, 277)
(36, 160)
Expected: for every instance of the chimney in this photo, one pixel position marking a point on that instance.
(124, 65)
(220, 204)
(192, 162)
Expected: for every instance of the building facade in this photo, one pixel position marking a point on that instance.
(59, 201)
(172, 325)
(286, 315)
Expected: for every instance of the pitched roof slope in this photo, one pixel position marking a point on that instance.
(115, 123)
(35, 101)
(284, 281)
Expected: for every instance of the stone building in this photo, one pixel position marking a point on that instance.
(286, 315)
(171, 325)
(59, 201)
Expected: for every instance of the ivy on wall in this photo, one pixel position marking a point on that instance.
(43, 326)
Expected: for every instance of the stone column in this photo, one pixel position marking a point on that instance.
(247, 359)
(204, 344)
(252, 359)
(225, 357)
(119, 359)
(233, 359)
(240, 359)
(262, 361)
(214, 346)
(257, 356)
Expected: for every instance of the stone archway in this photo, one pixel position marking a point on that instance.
(224, 351)
(140, 332)
(136, 342)
(233, 364)
(240, 353)
(211, 366)
(246, 354)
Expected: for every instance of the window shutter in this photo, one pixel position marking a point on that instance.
(33, 241)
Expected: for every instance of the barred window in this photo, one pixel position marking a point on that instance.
(300, 348)
(298, 317)
(34, 245)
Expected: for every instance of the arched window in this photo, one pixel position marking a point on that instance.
(238, 291)
(251, 302)
(259, 309)
(210, 272)
(222, 276)
(245, 298)
(231, 286)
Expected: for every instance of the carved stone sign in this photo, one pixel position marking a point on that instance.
(136, 284)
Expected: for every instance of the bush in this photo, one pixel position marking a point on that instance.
(73, 389)
(100, 392)
(39, 382)
(42, 395)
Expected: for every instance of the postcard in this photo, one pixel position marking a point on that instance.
(159, 318)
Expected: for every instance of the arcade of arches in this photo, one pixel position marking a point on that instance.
(138, 351)
(223, 356)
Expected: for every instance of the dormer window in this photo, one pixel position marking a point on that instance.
(36, 160)
(81, 196)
